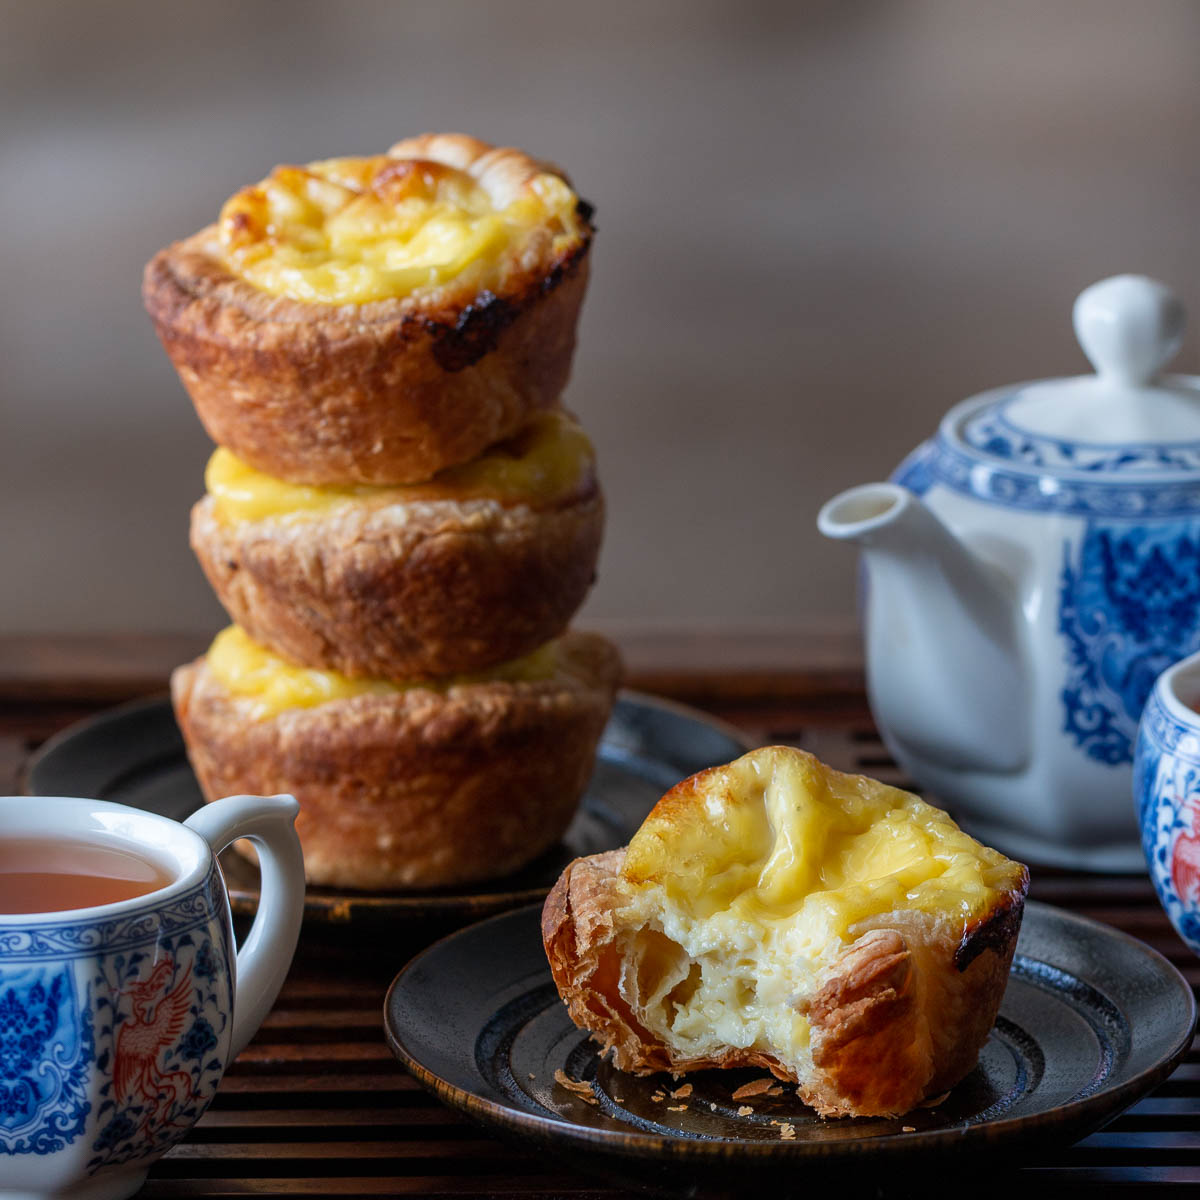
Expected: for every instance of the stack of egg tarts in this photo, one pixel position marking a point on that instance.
(399, 518)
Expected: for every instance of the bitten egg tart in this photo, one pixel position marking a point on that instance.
(774, 912)
(376, 319)
(403, 784)
(482, 564)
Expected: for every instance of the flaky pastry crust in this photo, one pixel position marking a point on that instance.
(404, 591)
(418, 788)
(386, 392)
(898, 1017)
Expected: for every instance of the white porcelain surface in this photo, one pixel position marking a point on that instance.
(1130, 327)
(1028, 573)
(117, 1022)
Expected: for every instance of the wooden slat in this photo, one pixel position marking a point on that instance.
(224, 1121)
(533, 1186)
(470, 1148)
(297, 1056)
(1051, 1180)
(322, 1083)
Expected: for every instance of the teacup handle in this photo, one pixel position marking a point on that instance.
(266, 954)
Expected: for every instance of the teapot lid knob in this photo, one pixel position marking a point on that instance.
(1129, 326)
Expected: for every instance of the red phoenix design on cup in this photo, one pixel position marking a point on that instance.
(156, 1022)
(1185, 860)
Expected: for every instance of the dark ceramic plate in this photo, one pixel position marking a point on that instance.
(1092, 1020)
(135, 755)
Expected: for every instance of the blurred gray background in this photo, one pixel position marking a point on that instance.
(820, 225)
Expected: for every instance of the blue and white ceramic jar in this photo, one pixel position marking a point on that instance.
(1166, 792)
(1030, 570)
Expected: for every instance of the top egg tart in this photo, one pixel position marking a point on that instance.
(377, 319)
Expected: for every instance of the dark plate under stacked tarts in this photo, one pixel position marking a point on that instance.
(135, 755)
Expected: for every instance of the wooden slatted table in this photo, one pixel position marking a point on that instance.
(317, 1106)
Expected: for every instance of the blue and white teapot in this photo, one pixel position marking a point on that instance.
(1029, 572)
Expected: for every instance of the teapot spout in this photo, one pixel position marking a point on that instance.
(945, 669)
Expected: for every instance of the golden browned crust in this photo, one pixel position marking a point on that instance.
(321, 394)
(390, 391)
(417, 788)
(579, 935)
(404, 591)
(893, 1020)
(502, 171)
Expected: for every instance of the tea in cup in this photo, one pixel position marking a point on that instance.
(122, 995)
(55, 874)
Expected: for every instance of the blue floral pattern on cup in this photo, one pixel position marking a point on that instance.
(46, 1052)
(1166, 791)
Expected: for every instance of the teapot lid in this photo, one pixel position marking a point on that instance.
(1125, 416)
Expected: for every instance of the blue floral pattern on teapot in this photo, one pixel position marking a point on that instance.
(1129, 606)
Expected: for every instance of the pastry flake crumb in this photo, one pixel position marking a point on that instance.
(677, 1108)
(908, 1129)
(659, 1097)
(754, 1088)
(532, 1075)
(577, 1087)
(787, 1132)
(745, 1110)
(682, 1093)
(712, 1105)
(774, 1091)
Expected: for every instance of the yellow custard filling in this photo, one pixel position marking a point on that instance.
(740, 894)
(790, 838)
(247, 669)
(549, 462)
(351, 230)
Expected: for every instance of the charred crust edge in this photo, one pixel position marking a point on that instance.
(477, 328)
(997, 931)
(476, 332)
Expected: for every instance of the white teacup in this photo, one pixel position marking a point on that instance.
(117, 1021)
(1166, 793)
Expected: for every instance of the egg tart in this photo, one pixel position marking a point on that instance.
(482, 564)
(775, 913)
(403, 785)
(377, 319)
